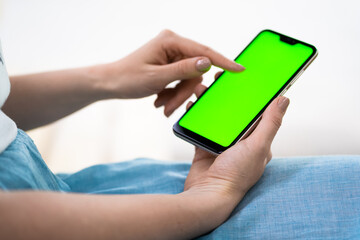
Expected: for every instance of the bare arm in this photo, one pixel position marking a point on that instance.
(46, 215)
(39, 99)
(213, 188)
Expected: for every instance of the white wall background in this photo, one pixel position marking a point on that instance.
(323, 117)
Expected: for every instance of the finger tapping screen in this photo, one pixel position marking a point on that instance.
(235, 99)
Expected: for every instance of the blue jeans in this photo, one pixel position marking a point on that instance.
(297, 198)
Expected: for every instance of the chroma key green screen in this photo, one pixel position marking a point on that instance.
(235, 99)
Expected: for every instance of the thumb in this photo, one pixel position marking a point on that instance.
(270, 121)
(184, 69)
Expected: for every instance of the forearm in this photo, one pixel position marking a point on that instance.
(40, 215)
(39, 99)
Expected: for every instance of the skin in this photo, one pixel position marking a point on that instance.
(213, 188)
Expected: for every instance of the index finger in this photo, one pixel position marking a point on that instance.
(191, 48)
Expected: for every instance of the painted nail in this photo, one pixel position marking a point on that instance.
(203, 65)
(283, 103)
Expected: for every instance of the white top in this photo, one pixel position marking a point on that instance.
(8, 129)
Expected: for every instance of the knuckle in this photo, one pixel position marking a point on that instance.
(152, 74)
(168, 39)
(180, 68)
(262, 148)
(257, 146)
(166, 33)
(276, 121)
(207, 49)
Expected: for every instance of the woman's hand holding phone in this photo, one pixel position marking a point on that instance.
(224, 179)
(167, 58)
(231, 174)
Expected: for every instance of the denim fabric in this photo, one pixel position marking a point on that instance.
(22, 168)
(300, 198)
(297, 198)
(137, 176)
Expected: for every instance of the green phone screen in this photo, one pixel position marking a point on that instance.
(235, 99)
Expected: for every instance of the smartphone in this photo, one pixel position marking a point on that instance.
(230, 108)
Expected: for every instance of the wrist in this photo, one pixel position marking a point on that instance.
(212, 208)
(102, 82)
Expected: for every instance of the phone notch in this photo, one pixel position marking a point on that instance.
(288, 40)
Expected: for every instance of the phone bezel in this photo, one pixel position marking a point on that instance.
(215, 148)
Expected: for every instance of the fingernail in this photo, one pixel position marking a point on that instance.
(239, 67)
(283, 103)
(203, 65)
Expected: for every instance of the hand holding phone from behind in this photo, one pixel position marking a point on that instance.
(236, 170)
